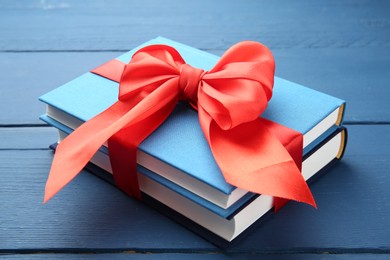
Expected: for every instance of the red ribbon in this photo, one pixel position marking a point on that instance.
(251, 152)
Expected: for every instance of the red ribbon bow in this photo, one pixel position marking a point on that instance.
(229, 99)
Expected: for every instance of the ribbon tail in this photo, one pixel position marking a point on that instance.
(74, 152)
(252, 158)
(293, 142)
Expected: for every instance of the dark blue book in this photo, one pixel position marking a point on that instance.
(219, 230)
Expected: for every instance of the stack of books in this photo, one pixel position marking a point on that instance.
(176, 170)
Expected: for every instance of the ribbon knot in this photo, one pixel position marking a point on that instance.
(189, 80)
(229, 99)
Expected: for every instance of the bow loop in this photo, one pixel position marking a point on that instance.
(148, 69)
(164, 53)
(238, 88)
(246, 51)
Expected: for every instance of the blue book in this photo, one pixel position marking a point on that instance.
(175, 163)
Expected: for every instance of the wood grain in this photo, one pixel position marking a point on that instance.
(26, 76)
(91, 214)
(338, 47)
(96, 25)
(27, 138)
(195, 256)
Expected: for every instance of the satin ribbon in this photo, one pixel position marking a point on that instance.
(229, 99)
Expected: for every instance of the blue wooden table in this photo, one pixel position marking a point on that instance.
(338, 47)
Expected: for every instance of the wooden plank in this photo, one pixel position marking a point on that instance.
(25, 77)
(195, 256)
(96, 25)
(351, 74)
(354, 74)
(22, 138)
(340, 48)
(112, 219)
(352, 198)
(91, 214)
